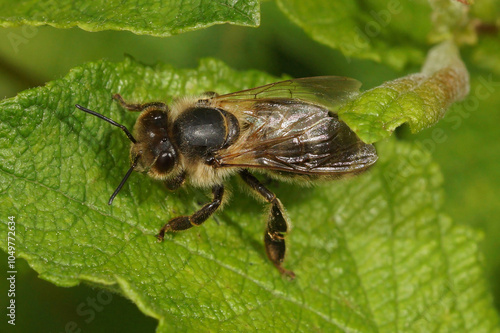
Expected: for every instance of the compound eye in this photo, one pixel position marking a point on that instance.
(165, 162)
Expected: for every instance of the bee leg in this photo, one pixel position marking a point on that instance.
(210, 94)
(186, 222)
(274, 238)
(206, 97)
(176, 182)
(139, 107)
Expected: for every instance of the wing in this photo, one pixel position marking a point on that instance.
(328, 91)
(295, 136)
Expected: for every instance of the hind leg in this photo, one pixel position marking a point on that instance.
(277, 226)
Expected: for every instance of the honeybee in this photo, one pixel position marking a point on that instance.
(289, 130)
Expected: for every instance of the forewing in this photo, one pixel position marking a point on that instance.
(328, 91)
(296, 136)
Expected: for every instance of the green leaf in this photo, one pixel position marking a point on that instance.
(451, 22)
(487, 11)
(465, 144)
(394, 32)
(162, 18)
(417, 99)
(371, 254)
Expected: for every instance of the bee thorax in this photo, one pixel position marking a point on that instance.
(201, 131)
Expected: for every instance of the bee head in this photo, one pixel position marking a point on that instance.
(152, 152)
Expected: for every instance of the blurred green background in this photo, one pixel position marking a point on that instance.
(465, 143)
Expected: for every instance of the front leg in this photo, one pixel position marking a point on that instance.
(274, 237)
(176, 182)
(139, 107)
(186, 222)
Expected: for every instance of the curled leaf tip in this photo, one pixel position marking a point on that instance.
(419, 99)
(448, 77)
(443, 61)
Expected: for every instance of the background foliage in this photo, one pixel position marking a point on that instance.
(464, 144)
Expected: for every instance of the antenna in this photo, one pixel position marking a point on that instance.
(112, 122)
(129, 172)
(129, 135)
